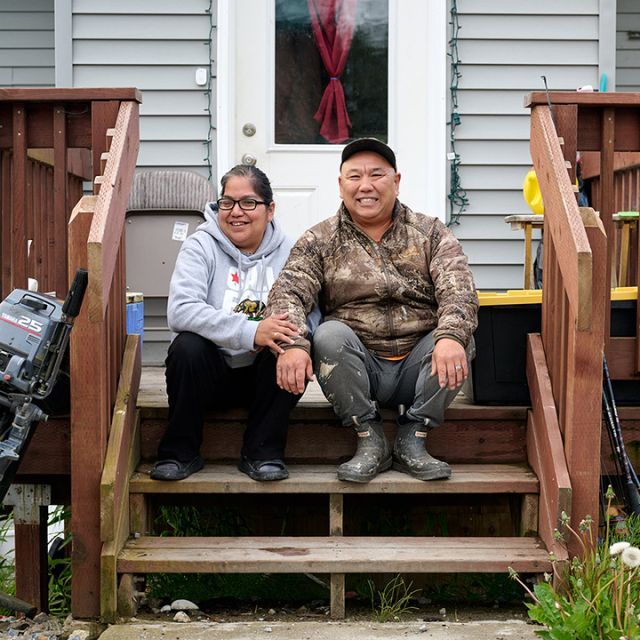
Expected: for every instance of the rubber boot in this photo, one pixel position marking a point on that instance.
(410, 455)
(372, 454)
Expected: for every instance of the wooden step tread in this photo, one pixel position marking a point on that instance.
(332, 555)
(466, 478)
(152, 401)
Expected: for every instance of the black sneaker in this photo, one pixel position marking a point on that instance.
(175, 470)
(263, 470)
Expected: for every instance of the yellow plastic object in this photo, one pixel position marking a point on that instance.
(534, 296)
(624, 293)
(531, 193)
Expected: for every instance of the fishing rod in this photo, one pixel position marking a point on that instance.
(629, 476)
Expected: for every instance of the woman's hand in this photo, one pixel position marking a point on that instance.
(274, 330)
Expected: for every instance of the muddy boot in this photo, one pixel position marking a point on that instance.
(410, 455)
(372, 455)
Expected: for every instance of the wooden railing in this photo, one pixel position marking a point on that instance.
(47, 137)
(565, 362)
(626, 197)
(96, 233)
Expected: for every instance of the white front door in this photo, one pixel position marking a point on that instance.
(271, 78)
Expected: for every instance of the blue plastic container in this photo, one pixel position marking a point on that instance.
(135, 314)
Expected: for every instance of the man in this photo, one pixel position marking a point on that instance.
(399, 306)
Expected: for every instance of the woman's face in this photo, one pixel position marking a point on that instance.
(244, 228)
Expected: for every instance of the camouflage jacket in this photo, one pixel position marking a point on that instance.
(391, 293)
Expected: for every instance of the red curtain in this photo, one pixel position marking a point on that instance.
(333, 22)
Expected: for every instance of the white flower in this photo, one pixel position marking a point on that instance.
(618, 547)
(631, 557)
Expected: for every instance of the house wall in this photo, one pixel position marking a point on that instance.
(156, 47)
(505, 47)
(628, 46)
(26, 43)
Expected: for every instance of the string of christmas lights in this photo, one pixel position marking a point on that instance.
(457, 197)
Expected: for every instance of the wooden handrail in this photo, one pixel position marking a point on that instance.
(569, 351)
(108, 221)
(565, 223)
(70, 95)
(99, 339)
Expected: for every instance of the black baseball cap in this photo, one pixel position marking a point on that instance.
(369, 144)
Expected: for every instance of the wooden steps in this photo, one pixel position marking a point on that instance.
(486, 447)
(333, 554)
(466, 478)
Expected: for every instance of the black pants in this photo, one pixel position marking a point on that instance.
(199, 379)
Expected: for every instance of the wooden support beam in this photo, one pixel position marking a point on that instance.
(583, 429)
(607, 206)
(90, 415)
(30, 502)
(18, 277)
(60, 202)
(336, 528)
(6, 224)
(529, 508)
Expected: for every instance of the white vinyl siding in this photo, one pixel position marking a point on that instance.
(505, 47)
(26, 43)
(156, 47)
(628, 46)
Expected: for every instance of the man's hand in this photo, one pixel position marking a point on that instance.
(293, 369)
(276, 329)
(449, 363)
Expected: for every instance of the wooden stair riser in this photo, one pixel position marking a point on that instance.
(324, 442)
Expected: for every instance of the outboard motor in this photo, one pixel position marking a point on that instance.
(34, 335)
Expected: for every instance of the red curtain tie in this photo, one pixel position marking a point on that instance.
(333, 23)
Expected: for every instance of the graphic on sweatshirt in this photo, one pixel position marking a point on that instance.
(246, 291)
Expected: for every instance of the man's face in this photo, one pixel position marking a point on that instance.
(368, 187)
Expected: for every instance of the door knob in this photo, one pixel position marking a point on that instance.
(247, 158)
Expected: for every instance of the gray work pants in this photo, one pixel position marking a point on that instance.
(351, 377)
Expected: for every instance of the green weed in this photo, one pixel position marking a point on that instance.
(598, 594)
(392, 600)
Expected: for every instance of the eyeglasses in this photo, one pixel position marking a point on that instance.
(246, 204)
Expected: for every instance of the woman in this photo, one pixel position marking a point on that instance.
(218, 359)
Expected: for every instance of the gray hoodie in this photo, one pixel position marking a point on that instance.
(219, 292)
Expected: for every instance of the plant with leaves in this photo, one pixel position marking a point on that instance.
(392, 600)
(59, 566)
(595, 596)
(7, 568)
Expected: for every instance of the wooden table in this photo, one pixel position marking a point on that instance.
(528, 223)
(625, 222)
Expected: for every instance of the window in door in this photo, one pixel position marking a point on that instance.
(331, 75)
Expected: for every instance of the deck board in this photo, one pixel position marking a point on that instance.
(331, 554)
(466, 478)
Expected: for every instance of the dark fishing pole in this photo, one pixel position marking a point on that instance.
(629, 486)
